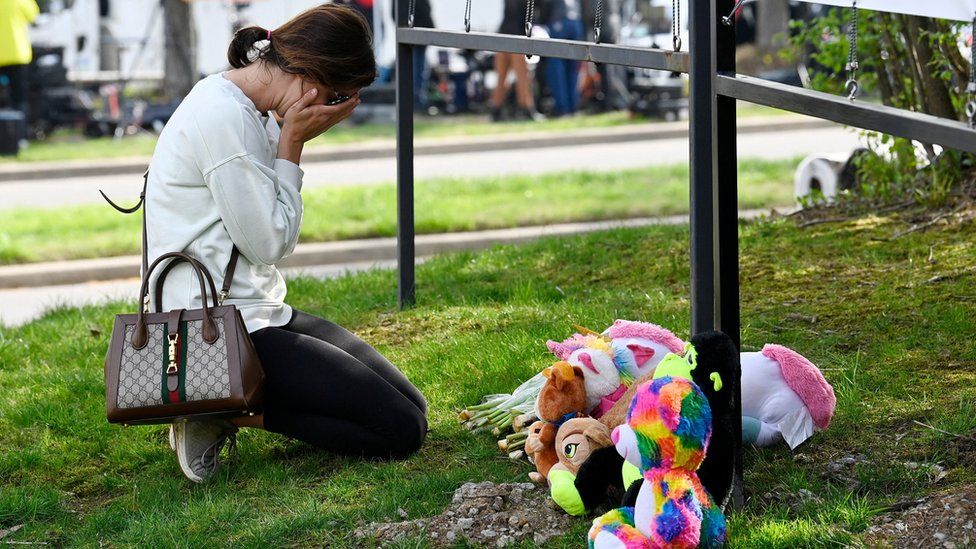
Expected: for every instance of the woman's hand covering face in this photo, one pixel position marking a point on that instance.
(310, 117)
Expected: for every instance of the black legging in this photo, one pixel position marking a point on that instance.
(327, 387)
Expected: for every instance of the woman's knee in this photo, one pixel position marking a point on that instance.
(408, 434)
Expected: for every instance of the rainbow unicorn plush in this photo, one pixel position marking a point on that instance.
(666, 435)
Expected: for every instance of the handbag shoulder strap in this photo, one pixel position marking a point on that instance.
(134, 209)
(231, 263)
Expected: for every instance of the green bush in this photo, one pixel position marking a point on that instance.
(911, 63)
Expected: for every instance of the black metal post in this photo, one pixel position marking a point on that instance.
(404, 152)
(728, 226)
(704, 164)
(714, 195)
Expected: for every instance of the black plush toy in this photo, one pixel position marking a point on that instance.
(717, 363)
(599, 481)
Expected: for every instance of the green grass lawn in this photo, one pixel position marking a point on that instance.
(890, 327)
(442, 205)
(72, 146)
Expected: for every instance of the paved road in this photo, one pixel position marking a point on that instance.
(778, 145)
(20, 305)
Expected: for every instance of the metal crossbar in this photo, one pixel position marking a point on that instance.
(664, 60)
(911, 125)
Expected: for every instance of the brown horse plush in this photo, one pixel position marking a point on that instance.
(563, 393)
(541, 448)
(562, 396)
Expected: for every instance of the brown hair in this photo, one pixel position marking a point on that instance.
(330, 45)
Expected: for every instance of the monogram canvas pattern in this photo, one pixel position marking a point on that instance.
(206, 372)
(140, 373)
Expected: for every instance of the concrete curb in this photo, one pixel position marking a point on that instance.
(328, 253)
(11, 172)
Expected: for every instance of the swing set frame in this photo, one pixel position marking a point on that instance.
(714, 90)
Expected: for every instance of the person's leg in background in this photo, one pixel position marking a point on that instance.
(502, 62)
(523, 86)
(562, 75)
(16, 84)
(460, 81)
(574, 31)
(6, 88)
(556, 80)
(421, 78)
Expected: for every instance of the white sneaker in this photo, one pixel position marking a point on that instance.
(198, 444)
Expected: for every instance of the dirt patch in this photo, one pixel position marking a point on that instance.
(486, 514)
(945, 519)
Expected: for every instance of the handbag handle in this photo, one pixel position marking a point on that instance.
(228, 271)
(140, 335)
(161, 279)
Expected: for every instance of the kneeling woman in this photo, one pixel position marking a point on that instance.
(223, 174)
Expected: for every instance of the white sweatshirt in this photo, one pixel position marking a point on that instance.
(214, 182)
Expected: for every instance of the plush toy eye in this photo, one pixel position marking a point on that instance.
(570, 450)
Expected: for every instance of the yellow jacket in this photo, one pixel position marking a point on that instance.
(15, 45)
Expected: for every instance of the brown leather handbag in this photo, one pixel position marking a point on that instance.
(161, 366)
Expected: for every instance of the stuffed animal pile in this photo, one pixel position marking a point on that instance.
(596, 381)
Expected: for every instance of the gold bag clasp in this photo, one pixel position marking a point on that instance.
(173, 364)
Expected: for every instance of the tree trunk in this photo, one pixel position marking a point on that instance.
(902, 96)
(933, 88)
(180, 71)
(772, 25)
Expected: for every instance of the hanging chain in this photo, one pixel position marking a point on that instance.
(971, 89)
(729, 19)
(676, 25)
(529, 14)
(598, 21)
(852, 87)
(467, 16)
(410, 12)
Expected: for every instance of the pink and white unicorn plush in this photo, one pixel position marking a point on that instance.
(784, 396)
(592, 354)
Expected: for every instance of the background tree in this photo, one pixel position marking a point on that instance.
(773, 20)
(912, 63)
(180, 71)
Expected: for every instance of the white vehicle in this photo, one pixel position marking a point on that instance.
(648, 24)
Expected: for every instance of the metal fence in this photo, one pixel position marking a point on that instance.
(714, 89)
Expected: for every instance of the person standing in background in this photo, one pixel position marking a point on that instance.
(613, 78)
(513, 22)
(15, 49)
(562, 17)
(422, 18)
(364, 7)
